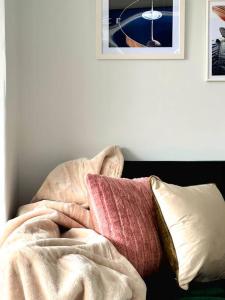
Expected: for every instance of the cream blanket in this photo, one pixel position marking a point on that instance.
(38, 262)
(67, 182)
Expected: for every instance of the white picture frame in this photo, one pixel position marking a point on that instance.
(128, 47)
(215, 41)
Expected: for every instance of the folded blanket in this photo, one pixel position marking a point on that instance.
(67, 182)
(38, 262)
(73, 210)
(79, 265)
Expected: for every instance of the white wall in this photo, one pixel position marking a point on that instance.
(12, 97)
(73, 105)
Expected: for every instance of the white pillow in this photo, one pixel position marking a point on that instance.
(195, 217)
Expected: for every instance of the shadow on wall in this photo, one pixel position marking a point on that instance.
(129, 155)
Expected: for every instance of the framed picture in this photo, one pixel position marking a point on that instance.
(141, 29)
(216, 40)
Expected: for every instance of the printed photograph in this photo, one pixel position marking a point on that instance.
(217, 33)
(140, 29)
(143, 23)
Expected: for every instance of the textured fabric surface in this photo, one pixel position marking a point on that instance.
(39, 262)
(123, 211)
(67, 181)
(71, 210)
(195, 217)
(168, 246)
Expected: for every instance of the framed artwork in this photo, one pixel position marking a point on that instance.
(141, 29)
(215, 40)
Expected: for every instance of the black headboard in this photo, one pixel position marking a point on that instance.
(180, 173)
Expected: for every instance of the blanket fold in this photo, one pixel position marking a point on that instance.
(67, 182)
(40, 261)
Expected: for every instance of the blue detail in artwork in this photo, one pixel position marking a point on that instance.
(139, 29)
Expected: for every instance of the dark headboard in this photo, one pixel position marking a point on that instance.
(180, 173)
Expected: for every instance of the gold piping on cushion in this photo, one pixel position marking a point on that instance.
(166, 237)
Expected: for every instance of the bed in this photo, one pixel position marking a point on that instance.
(163, 285)
(23, 239)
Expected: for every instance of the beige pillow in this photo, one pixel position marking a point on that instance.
(67, 182)
(195, 217)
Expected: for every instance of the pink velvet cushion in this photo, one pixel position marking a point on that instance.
(123, 211)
